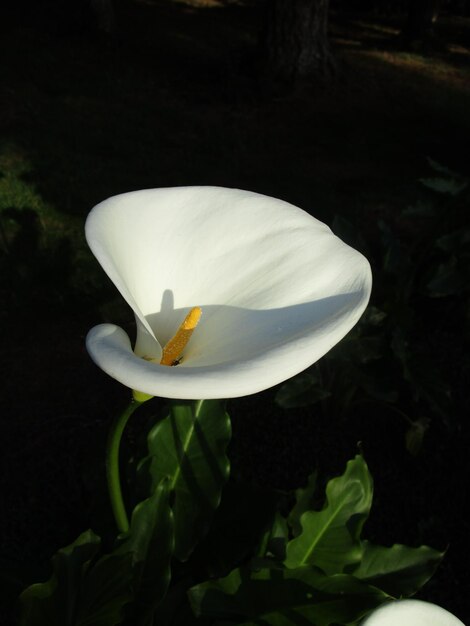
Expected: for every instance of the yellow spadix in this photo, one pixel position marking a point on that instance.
(173, 350)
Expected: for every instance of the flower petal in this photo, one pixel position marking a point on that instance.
(411, 613)
(146, 345)
(277, 289)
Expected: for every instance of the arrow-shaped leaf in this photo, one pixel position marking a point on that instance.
(278, 597)
(398, 570)
(330, 537)
(54, 603)
(150, 541)
(303, 502)
(88, 591)
(188, 447)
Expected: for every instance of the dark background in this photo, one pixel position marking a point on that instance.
(182, 93)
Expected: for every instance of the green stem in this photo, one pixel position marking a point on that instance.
(112, 466)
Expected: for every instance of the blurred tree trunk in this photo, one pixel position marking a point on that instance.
(422, 15)
(295, 40)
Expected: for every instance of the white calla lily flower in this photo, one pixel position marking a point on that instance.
(273, 287)
(411, 613)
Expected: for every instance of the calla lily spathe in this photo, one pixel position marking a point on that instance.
(276, 287)
(411, 613)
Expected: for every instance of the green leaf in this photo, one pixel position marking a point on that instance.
(303, 502)
(280, 597)
(105, 591)
(244, 515)
(449, 279)
(415, 434)
(420, 209)
(330, 537)
(454, 242)
(175, 609)
(54, 603)
(441, 169)
(373, 316)
(435, 391)
(395, 257)
(398, 570)
(86, 591)
(302, 390)
(421, 374)
(189, 448)
(450, 186)
(274, 541)
(150, 542)
(136, 573)
(377, 384)
(361, 349)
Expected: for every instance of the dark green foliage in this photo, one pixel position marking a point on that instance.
(398, 570)
(304, 501)
(150, 541)
(385, 360)
(330, 538)
(92, 589)
(303, 390)
(283, 567)
(245, 515)
(325, 574)
(188, 447)
(285, 597)
(67, 599)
